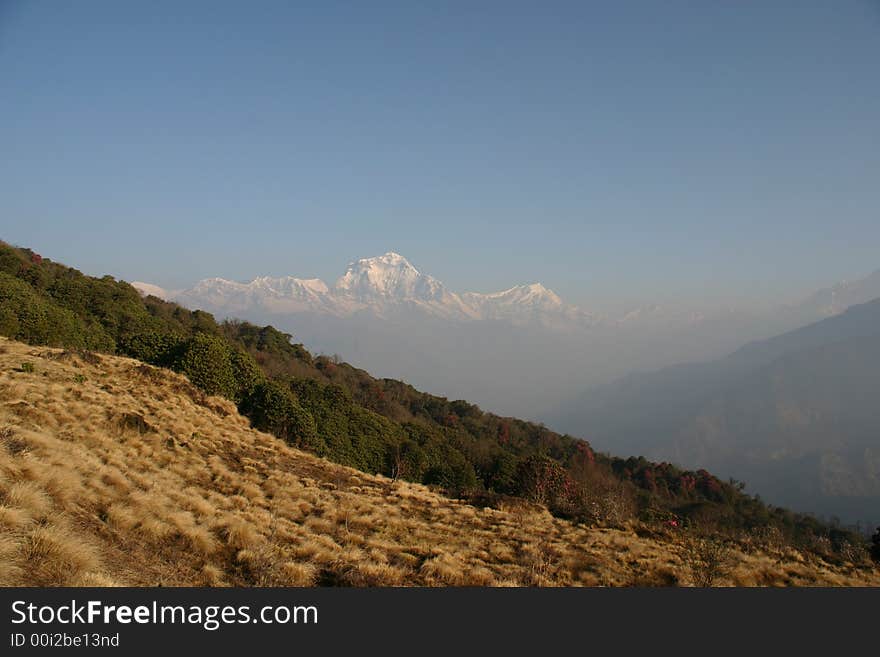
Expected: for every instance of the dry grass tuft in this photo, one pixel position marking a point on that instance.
(54, 556)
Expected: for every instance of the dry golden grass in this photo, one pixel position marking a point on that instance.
(114, 472)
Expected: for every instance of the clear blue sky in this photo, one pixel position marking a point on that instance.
(612, 150)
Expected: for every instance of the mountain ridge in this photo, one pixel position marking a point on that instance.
(389, 283)
(378, 285)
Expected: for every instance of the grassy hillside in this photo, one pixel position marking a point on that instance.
(113, 472)
(379, 426)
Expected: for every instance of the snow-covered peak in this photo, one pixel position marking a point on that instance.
(389, 258)
(290, 284)
(533, 294)
(390, 261)
(388, 276)
(216, 283)
(383, 285)
(530, 303)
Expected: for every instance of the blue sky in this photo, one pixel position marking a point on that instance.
(617, 151)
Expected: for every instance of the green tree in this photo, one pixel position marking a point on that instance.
(207, 361)
(272, 407)
(151, 346)
(246, 373)
(26, 316)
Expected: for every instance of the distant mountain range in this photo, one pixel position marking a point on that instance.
(383, 286)
(515, 351)
(796, 416)
(388, 285)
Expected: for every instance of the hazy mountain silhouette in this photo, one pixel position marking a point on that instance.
(796, 415)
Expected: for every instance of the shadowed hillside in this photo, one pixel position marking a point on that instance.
(795, 416)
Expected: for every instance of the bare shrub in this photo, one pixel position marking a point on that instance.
(820, 545)
(767, 537)
(708, 558)
(853, 552)
(604, 498)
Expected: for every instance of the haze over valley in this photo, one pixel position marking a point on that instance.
(519, 351)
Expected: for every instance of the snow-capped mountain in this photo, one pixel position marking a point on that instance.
(389, 285)
(532, 302)
(390, 275)
(384, 282)
(275, 295)
(382, 285)
(521, 296)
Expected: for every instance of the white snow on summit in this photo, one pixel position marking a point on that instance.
(380, 285)
(390, 275)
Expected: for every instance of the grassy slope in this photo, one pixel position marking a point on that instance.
(114, 472)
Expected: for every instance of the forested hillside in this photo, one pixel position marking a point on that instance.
(331, 409)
